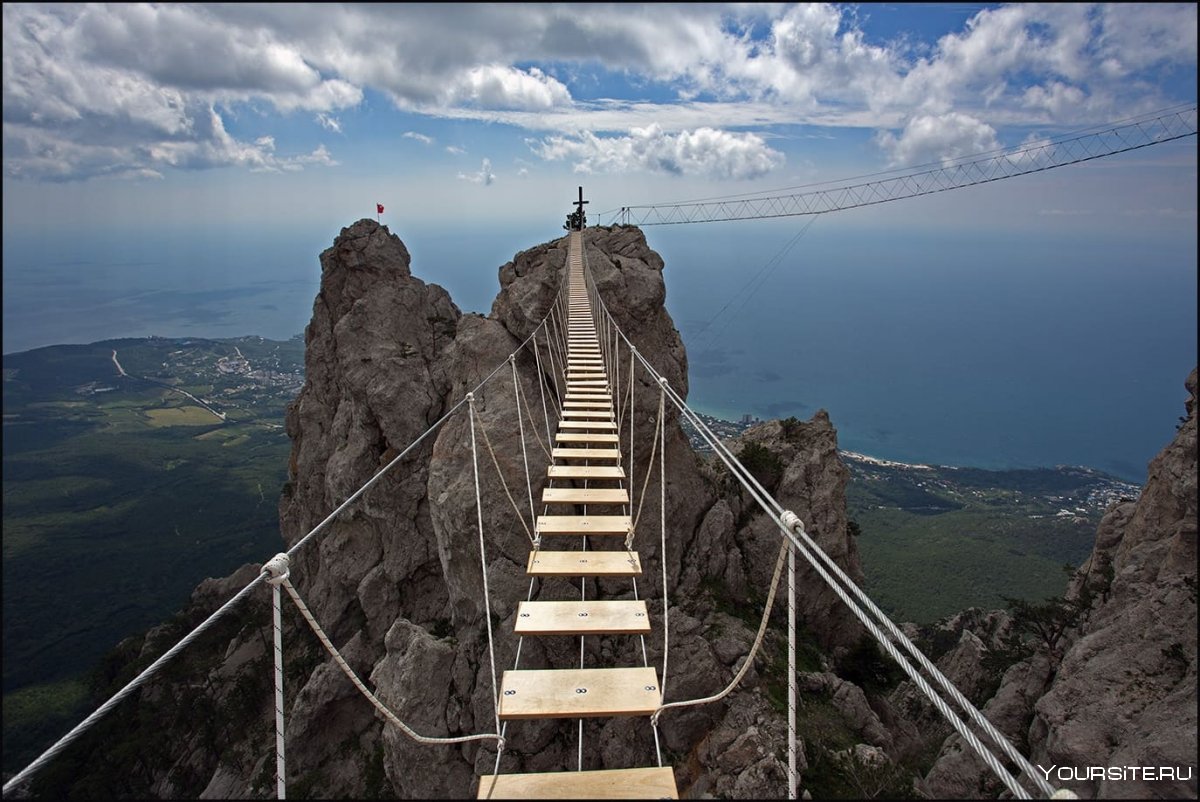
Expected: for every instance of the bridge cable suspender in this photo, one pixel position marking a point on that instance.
(524, 456)
(542, 390)
(278, 568)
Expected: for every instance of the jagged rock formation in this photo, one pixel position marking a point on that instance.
(396, 580)
(1120, 691)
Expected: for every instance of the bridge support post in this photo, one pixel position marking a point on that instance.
(791, 584)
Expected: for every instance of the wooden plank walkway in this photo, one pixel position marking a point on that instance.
(586, 472)
(647, 783)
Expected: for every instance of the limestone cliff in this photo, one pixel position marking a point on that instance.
(1120, 689)
(396, 579)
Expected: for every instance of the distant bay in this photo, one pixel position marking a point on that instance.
(1030, 353)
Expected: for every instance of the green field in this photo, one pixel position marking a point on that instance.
(120, 495)
(937, 541)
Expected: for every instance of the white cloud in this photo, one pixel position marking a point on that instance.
(105, 85)
(132, 90)
(496, 86)
(485, 176)
(424, 140)
(1135, 36)
(943, 138)
(454, 150)
(704, 151)
(329, 122)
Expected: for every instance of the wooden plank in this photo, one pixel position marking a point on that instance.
(586, 453)
(606, 425)
(583, 563)
(572, 404)
(573, 415)
(649, 783)
(583, 524)
(584, 437)
(585, 495)
(579, 693)
(597, 617)
(585, 472)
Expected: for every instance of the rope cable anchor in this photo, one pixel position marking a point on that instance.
(277, 569)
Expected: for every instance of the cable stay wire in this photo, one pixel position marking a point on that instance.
(1155, 128)
(844, 587)
(750, 288)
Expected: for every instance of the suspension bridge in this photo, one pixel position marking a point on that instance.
(590, 527)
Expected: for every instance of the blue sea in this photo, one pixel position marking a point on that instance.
(949, 348)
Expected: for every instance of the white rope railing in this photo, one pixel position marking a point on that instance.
(364, 690)
(749, 660)
(504, 483)
(487, 602)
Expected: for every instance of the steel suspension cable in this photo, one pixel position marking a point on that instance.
(743, 475)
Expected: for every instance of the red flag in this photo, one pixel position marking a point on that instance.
(379, 208)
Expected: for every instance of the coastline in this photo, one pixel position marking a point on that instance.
(728, 430)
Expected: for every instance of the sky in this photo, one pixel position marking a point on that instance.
(201, 157)
(131, 115)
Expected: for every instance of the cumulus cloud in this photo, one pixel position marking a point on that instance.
(94, 88)
(485, 176)
(938, 138)
(424, 140)
(133, 90)
(496, 86)
(704, 151)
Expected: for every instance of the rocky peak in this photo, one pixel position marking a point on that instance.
(396, 580)
(1123, 693)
